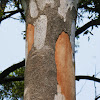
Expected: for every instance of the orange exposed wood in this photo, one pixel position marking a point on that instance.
(65, 69)
(30, 36)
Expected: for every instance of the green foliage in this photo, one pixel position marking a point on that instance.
(13, 90)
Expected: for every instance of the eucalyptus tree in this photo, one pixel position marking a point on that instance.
(50, 39)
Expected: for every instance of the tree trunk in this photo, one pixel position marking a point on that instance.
(49, 73)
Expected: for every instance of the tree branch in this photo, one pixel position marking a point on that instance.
(23, 16)
(11, 13)
(87, 25)
(10, 79)
(21, 78)
(97, 98)
(88, 78)
(84, 4)
(11, 69)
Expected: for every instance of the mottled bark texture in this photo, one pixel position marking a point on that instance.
(49, 72)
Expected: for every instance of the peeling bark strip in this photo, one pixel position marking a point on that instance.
(65, 69)
(30, 36)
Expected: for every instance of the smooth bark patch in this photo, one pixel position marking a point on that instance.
(33, 9)
(40, 31)
(65, 69)
(64, 6)
(30, 36)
